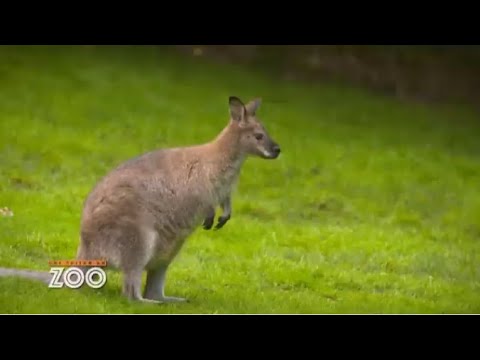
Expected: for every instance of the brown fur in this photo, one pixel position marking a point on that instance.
(139, 215)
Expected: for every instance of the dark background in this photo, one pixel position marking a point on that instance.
(427, 73)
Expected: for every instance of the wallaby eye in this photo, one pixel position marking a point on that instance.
(259, 136)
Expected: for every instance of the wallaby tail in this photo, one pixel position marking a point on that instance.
(28, 274)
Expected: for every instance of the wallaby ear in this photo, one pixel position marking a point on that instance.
(237, 108)
(253, 106)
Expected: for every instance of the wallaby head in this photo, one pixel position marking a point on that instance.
(253, 138)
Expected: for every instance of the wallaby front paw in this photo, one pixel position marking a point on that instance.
(208, 223)
(222, 220)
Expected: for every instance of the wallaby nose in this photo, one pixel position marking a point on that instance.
(276, 148)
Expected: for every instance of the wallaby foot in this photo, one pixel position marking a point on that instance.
(155, 287)
(172, 299)
(149, 301)
(132, 284)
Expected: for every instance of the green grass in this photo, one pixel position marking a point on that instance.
(373, 206)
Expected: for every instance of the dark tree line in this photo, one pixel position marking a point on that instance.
(416, 72)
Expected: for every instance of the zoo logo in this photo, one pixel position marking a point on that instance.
(74, 277)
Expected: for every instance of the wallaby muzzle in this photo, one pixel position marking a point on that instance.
(274, 151)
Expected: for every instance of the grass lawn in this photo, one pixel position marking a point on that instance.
(373, 206)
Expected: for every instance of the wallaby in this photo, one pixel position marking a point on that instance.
(139, 215)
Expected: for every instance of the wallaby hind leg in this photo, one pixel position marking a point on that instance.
(132, 285)
(155, 287)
